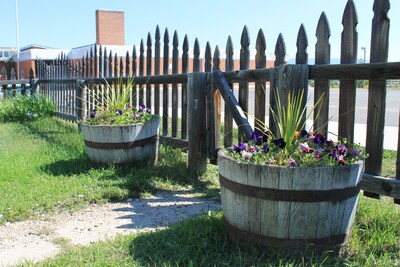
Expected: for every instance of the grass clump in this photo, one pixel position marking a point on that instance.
(25, 108)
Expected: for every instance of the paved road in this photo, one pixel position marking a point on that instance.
(392, 105)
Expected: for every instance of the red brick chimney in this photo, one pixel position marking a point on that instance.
(110, 28)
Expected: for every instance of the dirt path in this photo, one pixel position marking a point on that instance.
(36, 240)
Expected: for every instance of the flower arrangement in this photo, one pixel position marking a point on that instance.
(113, 106)
(292, 147)
(306, 149)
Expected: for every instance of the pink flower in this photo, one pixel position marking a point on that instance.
(306, 148)
(252, 149)
(292, 163)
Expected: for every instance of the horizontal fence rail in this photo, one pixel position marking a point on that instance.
(165, 76)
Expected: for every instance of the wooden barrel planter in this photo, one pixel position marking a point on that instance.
(123, 143)
(302, 209)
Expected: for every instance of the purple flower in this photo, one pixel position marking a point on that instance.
(279, 143)
(142, 107)
(239, 148)
(319, 139)
(257, 138)
(304, 133)
(93, 114)
(292, 163)
(112, 121)
(342, 149)
(266, 136)
(317, 154)
(119, 112)
(329, 143)
(355, 153)
(148, 110)
(265, 148)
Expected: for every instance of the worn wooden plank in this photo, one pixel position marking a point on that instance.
(280, 52)
(185, 69)
(134, 95)
(196, 56)
(91, 64)
(157, 68)
(175, 65)
(229, 98)
(110, 65)
(260, 90)
(213, 107)
(197, 155)
(218, 108)
(377, 90)
(120, 67)
(347, 93)
(141, 72)
(209, 141)
(269, 208)
(149, 59)
(285, 79)
(174, 142)
(127, 64)
(244, 64)
(371, 71)
(302, 44)
(165, 85)
(381, 185)
(116, 74)
(228, 120)
(322, 56)
(106, 65)
(397, 200)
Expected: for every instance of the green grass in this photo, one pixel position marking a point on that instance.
(44, 168)
(389, 163)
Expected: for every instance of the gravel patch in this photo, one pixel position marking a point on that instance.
(36, 240)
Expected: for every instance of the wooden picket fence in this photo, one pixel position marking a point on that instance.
(190, 106)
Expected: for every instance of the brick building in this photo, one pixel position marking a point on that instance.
(110, 34)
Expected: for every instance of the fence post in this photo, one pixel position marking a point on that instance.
(397, 201)
(197, 135)
(80, 97)
(4, 77)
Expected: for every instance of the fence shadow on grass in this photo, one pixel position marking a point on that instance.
(203, 241)
(137, 178)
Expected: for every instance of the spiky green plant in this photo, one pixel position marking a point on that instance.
(289, 118)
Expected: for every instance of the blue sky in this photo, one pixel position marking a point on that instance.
(69, 24)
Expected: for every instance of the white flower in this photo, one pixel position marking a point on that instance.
(246, 155)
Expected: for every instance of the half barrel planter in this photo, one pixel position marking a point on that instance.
(304, 210)
(122, 143)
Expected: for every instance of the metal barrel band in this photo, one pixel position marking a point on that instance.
(290, 195)
(286, 243)
(122, 145)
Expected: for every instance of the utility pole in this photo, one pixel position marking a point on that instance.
(17, 33)
(364, 49)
